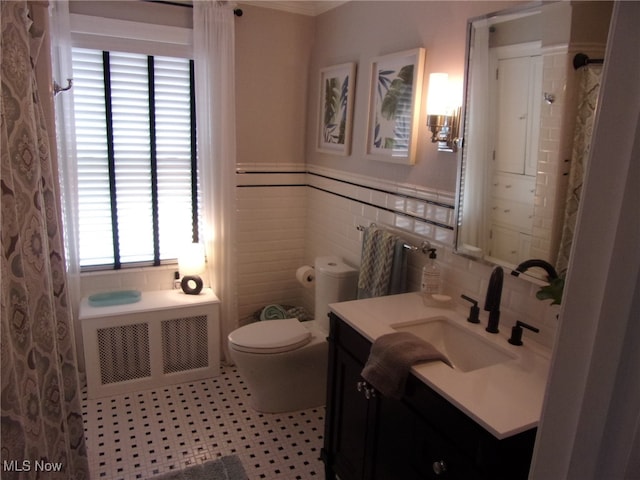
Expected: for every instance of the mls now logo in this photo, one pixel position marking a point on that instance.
(28, 466)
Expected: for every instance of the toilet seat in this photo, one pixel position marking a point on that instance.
(270, 336)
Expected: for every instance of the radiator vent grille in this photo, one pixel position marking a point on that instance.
(184, 344)
(165, 338)
(124, 353)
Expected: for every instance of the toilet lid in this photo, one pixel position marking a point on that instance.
(270, 336)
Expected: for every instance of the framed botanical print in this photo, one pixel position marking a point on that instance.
(394, 106)
(337, 88)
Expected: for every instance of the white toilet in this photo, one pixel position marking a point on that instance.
(284, 362)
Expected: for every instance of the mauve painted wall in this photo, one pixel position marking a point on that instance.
(272, 64)
(358, 32)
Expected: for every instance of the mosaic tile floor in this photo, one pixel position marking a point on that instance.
(142, 434)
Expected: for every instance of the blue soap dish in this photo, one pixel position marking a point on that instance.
(120, 297)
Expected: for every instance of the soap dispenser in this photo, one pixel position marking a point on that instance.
(431, 275)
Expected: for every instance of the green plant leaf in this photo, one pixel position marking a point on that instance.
(398, 96)
(406, 74)
(331, 100)
(553, 291)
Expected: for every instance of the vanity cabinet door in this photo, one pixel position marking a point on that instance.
(467, 450)
(351, 407)
(409, 448)
(352, 420)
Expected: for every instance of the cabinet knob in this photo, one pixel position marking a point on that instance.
(369, 392)
(439, 467)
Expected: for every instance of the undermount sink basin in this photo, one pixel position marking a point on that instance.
(465, 350)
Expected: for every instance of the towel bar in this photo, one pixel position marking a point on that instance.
(424, 246)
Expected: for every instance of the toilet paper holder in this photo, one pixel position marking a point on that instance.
(306, 276)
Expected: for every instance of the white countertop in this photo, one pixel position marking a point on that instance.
(505, 398)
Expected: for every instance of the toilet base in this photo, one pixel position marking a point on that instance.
(288, 381)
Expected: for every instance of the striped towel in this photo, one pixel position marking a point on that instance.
(382, 264)
(273, 312)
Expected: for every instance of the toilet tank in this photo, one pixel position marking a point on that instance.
(335, 282)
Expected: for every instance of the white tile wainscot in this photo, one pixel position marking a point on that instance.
(167, 337)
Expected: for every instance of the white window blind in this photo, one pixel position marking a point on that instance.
(134, 131)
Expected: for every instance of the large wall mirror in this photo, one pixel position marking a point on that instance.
(522, 100)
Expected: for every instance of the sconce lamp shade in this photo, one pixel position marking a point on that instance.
(438, 96)
(191, 262)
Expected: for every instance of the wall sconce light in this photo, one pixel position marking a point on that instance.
(443, 115)
(191, 264)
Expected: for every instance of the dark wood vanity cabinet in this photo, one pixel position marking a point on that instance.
(421, 436)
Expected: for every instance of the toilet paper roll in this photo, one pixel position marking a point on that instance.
(306, 276)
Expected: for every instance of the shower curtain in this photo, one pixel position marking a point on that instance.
(476, 162)
(587, 102)
(60, 33)
(214, 53)
(41, 416)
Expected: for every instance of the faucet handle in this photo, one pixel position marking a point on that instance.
(516, 332)
(474, 311)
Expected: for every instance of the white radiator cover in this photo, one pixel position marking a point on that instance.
(167, 337)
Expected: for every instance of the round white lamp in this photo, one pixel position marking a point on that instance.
(191, 264)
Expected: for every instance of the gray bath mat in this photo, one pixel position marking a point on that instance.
(224, 468)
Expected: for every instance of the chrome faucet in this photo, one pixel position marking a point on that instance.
(536, 262)
(492, 301)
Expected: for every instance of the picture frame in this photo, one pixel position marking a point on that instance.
(335, 107)
(394, 106)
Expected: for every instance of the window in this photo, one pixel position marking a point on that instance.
(136, 151)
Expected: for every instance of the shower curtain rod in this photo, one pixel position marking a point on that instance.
(236, 11)
(580, 60)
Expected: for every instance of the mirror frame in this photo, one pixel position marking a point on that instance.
(589, 25)
(484, 260)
